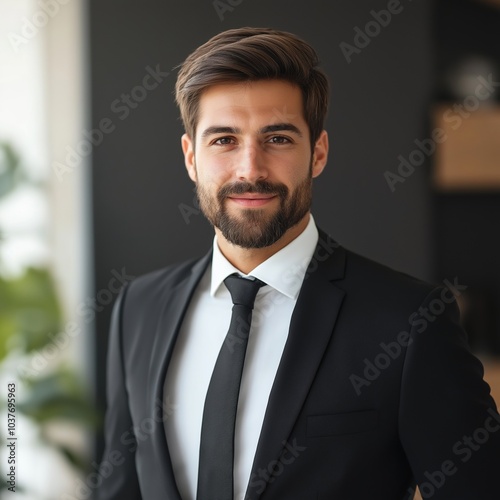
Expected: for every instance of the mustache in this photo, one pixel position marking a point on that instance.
(259, 187)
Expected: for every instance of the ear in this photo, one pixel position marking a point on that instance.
(189, 159)
(320, 154)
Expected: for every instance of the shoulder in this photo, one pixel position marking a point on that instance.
(381, 302)
(352, 270)
(157, 283)
(374, 273)
(382, 288)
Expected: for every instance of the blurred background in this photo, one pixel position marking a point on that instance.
(93, 187)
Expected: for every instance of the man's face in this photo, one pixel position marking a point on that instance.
(253, 163)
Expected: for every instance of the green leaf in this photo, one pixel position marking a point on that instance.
(29, 312)
(59, 395)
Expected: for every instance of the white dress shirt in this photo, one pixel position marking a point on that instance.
(201, 336)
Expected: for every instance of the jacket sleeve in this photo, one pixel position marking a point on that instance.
(449, 423)
(118, 473)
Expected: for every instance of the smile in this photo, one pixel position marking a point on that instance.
(252, 199)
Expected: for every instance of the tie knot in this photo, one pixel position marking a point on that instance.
(243, 291)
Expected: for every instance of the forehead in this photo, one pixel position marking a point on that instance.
(263, 101)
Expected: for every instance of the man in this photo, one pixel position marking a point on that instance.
(348, 380)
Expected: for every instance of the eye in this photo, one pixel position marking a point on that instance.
(223, 141)
(279, 139)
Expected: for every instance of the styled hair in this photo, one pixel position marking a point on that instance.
(251, 54)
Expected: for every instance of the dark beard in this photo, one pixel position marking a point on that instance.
(252, 228)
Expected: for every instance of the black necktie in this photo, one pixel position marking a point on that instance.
(215, 471)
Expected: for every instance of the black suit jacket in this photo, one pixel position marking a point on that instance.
(376, 390)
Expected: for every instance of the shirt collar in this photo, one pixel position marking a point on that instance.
(284, 271)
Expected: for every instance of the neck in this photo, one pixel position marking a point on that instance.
(247, 259)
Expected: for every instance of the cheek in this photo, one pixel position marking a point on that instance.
(295, 172)
(209, 180)
(211, 170)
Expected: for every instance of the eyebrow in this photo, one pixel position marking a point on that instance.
(220, 130)
(278, 127)
(281, 127)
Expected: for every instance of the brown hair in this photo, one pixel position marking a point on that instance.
(250, 54)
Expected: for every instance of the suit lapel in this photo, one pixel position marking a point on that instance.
(175, 303)
(311, 328)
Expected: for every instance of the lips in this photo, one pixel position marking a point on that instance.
(252, 199)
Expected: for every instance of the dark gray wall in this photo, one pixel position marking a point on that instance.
(379, 107)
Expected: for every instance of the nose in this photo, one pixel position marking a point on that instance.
(250, 165)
